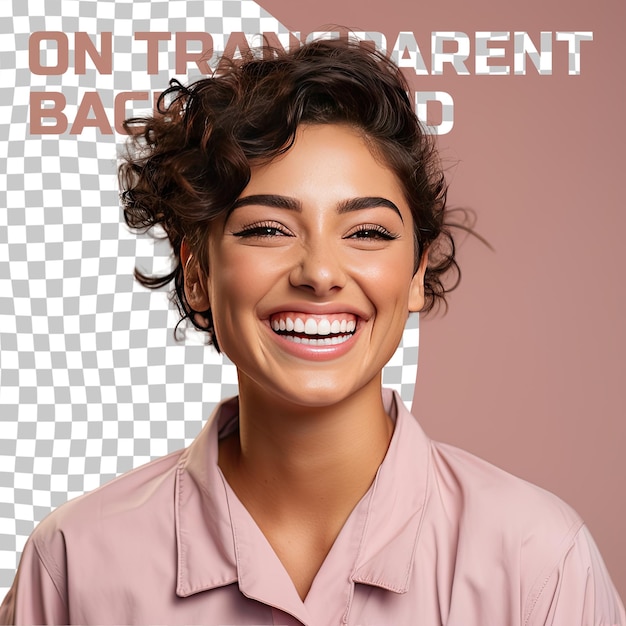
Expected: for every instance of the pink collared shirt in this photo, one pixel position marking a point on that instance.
(441, 537)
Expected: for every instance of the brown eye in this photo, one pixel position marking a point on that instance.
(262, 230)
(372, 231)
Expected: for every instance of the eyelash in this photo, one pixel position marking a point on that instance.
(379, 232)
(271, 229)
(260, 230)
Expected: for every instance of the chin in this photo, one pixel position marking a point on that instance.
(319, 393)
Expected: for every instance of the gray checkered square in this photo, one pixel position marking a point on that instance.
(92, 381)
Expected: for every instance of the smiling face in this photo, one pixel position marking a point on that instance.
(311, 274)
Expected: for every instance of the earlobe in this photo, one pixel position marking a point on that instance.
(194, 282)
(416, 290)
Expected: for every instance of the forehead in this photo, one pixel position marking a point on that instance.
(326, 162)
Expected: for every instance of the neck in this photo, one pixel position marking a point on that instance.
(296, 461)
(300, 471)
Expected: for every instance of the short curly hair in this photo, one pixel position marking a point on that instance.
(188, 164)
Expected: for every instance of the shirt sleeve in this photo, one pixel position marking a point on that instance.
(35, 597)
(577, 591)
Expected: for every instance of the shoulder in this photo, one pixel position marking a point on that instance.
(476, 507)
(511, 502)
(115, 510)
(524, 538)
(128, 491)
(106, 535)
(502, 513)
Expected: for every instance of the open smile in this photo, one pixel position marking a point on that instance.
(316, 336)
(314, 330)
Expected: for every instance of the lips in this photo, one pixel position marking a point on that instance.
(320, 330)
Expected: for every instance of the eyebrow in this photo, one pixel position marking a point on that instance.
(269, 199)
(293, 204)
(367, 202)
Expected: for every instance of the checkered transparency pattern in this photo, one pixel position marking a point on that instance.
(92, 381)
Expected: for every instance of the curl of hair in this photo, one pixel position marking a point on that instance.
(188, 163)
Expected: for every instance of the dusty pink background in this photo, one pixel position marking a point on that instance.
(528, 369)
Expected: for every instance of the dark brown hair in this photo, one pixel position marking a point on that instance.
(188, 164)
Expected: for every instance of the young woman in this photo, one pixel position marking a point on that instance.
(306, 213)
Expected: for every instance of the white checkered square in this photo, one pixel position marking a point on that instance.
(92, 381)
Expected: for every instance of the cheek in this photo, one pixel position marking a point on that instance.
(388, 277)
(248, 273)
(239, 279)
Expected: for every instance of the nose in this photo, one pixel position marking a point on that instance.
(318, 269)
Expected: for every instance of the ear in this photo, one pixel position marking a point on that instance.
(416, 289)
(194, 280)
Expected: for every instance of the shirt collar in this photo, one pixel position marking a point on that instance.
(204, 514)
(204, 532)
(397, 505)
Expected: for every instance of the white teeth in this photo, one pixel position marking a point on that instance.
(310, 328)
(322, 341)
(323, 327)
